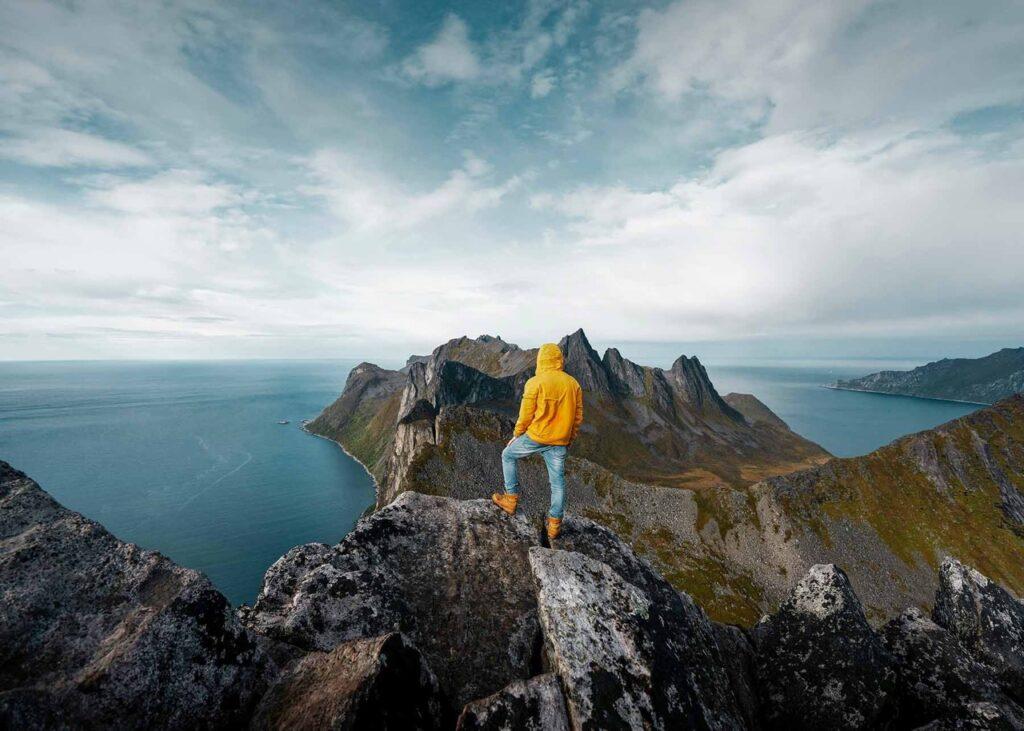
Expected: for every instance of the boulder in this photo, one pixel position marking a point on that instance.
(98, 632)
(618, 653)
(687, 637)
(936, 677)
(986, 618)
(381, 683)
(819, 663)
(452, 575)
(536, 704)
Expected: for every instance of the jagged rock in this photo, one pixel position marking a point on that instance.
(819, 663)
(583, 363)
(979, 716)
(692, 381)
(537, 704)
(448, 383)
(311, 601)
(618, 654)
(451, 575)
(381, 683)
(936, 678)
(740, 663)
(98, 632)
(688, 639)
(986, 618)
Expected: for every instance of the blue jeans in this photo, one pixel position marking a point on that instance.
(554, 458)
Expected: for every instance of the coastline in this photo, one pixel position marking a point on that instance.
(834, 387)
(342, 447)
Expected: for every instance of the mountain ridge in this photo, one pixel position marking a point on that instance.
(967, 380)
(736, 546)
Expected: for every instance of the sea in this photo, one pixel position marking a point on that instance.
(189, 458)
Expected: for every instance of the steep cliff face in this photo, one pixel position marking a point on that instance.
(97, 632)
(437, 613)
(644, 424)
(976, 380)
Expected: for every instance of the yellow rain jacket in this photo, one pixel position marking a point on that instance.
(552, 408)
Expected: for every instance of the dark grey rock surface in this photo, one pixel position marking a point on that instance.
(537, 704)
(435, 608)
(451, 575)
(98, 632)
(819, 663)
(625, 661)
(986, 618)
(382, 682)
(937, 678)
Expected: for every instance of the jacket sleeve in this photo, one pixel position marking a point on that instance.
(579, 414)
(526, 409)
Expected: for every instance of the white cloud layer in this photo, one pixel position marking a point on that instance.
(196, 180)
(448, 57)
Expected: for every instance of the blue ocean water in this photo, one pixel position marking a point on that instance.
(188, 458)
(846, 423)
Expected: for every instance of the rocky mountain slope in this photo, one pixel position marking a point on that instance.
(976, 380)
(735, 542)
(95, 632)
(645, 424)
(436, 613)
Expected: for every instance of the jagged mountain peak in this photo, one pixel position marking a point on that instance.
(583, 363)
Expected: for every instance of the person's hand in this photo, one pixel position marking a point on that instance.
(510, 442)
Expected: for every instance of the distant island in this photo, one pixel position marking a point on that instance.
(974, 380)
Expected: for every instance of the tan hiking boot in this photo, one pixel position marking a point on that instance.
(554, 527)
(506, 502)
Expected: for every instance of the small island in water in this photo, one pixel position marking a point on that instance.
(973, 380)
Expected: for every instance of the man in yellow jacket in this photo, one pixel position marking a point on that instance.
(549, 420)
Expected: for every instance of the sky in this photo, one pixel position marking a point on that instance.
(328, 179)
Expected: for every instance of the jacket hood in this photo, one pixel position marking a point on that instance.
(549, 358)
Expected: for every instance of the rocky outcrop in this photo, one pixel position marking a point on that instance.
(685, 638)
(381, 682)
(537, 704)
(938, 678)
(986, 619)
(98, 632)
(435, 609)
(819, 663)
(618, 653)
(450, 575)
(975, 380)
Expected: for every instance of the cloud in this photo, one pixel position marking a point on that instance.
(368, 201)
(178, 192)
(542, 84)
(795, 234)
(289, 181)
(834, 62)
(66, 148)
(450, 56)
